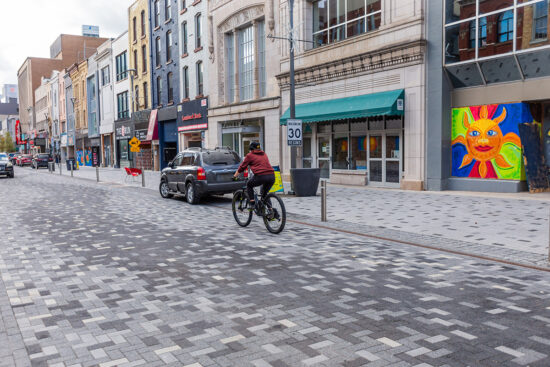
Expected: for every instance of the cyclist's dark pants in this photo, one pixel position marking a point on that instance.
(266, 181)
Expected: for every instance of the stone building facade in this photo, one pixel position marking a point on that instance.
(244, 100)
(359, 90)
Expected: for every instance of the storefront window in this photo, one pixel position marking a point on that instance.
(306, 152)
(358, 152)
(375, 149)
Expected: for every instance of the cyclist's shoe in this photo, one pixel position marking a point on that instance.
(251, 206)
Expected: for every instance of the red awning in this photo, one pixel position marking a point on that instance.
(153, 130)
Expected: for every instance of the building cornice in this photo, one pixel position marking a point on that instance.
(390, 57)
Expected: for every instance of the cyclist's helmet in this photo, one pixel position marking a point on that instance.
(254, 145)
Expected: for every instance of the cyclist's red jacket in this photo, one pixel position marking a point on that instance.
(258, 162)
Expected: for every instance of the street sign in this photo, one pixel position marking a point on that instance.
(134, 145)
(294, 132)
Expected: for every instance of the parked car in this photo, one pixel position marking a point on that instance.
(6, 167)
(12, 157)
(24, 160)
(41, 160)
(197, 172)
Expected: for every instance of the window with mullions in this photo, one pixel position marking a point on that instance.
(246, 63)
(184, 37)
(170, 87)
(335, 20)
(158, 49)
(121, 66)
(506, 26)
(200, 89)
(157, 13)
(159, 90)
(185, 75)
(540, 20)
(261, 59)
(122, 105)
(168, 46)
(230, 57)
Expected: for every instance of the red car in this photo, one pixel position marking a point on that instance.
(24, 160)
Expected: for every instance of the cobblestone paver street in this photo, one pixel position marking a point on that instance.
(106, 275)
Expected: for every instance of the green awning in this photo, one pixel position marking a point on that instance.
(377, 104)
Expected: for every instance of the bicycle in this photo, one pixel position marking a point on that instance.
(271, 209)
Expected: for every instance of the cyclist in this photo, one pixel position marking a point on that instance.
(264, 175)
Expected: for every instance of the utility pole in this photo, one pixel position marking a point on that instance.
(292, 86)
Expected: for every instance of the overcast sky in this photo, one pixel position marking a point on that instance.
(29, 27)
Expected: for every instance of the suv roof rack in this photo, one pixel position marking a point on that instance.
(194, 148)
(223, 148)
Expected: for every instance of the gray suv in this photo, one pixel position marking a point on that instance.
(197, 172)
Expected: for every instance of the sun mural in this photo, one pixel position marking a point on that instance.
(486, 143)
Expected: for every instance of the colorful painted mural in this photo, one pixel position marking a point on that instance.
(486, 143)
(84, 157)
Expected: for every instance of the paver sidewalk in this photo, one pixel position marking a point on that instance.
(509, 226)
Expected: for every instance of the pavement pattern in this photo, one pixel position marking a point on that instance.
(513, 227)
(104, 275)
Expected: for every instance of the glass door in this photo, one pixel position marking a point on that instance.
(323, 155)
(340, 148)
(375, 159)
(392, 170)
(384, 159)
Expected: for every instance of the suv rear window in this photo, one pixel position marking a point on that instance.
(43, 156)
(220, 158)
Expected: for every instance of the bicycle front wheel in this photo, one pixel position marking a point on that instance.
(274, 214)
(242, 215)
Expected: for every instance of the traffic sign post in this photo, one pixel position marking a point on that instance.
(294, 132)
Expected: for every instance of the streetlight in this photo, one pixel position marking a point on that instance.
(132, 72)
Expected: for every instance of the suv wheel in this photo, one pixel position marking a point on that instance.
(190, 194)
(12, 175)
(164, 190)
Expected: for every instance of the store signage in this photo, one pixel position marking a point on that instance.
(124, 131)
(18, 139)
(141, 134)
(294, 133)
(193, 115)
(134, 145)
(400, 104)
(40, 141)
(95, 156)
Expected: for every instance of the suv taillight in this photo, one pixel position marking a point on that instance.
(201, 174)
(245, 173)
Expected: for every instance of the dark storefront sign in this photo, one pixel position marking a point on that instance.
(124, 130)
(95, 142)
(40, 141)
(95, 157)
(192, 115)
(141, 134)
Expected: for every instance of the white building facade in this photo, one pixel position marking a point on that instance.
(104, 60)
(122, 100)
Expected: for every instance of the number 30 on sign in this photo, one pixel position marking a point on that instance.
(294, 130)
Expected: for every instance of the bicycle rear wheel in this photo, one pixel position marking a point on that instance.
(274, 214)
(242, 215)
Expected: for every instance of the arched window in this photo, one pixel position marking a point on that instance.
(157, 13)
(170, 87)
(167, 10)
(159, 90)
(472, 34)
(198, 31)
(168, 46)
(158, 49)
(143, 22)
(506, 26)
(482, 32)
(185, 82)
(200, 88)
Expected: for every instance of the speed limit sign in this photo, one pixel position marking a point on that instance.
(294, 131)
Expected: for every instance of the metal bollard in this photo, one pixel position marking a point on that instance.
(50, 167)
(97, 173)
(71, 164)
(142, 177)
(59, 168)
(323, 201)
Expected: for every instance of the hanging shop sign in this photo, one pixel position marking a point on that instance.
(193, 115)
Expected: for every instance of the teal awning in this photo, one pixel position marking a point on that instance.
(390, 103)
